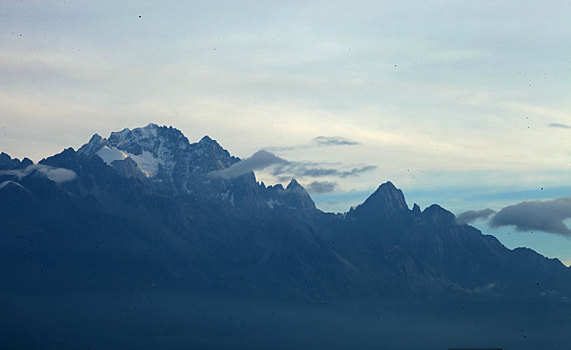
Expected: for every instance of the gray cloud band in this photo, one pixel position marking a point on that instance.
(473, 215)
(319, 141)
(304, 170)
(333, 141)
(546, 216)
(284, 168)
(559, 125)
(321, 187)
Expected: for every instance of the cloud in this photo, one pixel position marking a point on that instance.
(321, 187)
(314, 170)
(54, 174)
(284, 169)
(537, 215)
(473, 215)
(559, 125)
(319, 141)
(333, 141)
(259, 160)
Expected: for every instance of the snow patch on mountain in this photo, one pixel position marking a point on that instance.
(146, 162)
(109, 155)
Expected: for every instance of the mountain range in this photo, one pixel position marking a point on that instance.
(145, 210)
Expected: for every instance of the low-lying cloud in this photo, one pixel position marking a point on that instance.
(473, 215)
(321, 187)
(54, 174)
(284, 169)
(537, 215)
(259, 160)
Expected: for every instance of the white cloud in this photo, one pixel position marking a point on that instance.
(259, 160)
(57, 175)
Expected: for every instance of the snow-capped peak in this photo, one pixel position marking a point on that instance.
(162, 142)
(162, 153)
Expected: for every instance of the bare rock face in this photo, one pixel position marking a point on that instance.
(385, 204)
(9, 163)
(297, 197)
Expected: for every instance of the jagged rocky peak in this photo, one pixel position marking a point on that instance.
(95, 144)
(297, 196)
(164, 155)
(416, 210)
(216, 156)
(387, 197)
(155, 147)
(207, 140)
(293, 184)
(293, 196)
(160, 141)
(151, 138)
(9, 163)
(5, 157)
(386, 202)
(437, 214)
(207, 144)
(276, 187)
(67, 159)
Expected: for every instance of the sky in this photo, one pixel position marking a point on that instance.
(464, 104)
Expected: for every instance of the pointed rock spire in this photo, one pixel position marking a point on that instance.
(206, 139)
(388, 198)
(95, 144)
(416, 210)
(293, 184)
(437, 214)
(386, 202)
(296, 196)
(9, 163)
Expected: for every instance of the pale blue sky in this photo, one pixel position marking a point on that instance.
(451, 100)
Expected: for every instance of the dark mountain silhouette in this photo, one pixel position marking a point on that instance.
(143, 213)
